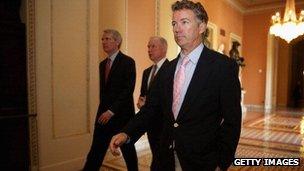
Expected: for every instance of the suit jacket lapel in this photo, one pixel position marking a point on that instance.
(102, 73)
(162, 67)
(146, 77)
(199, 79)
(159, 71)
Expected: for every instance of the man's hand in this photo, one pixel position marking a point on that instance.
(218, 168)
(105, 117)
(117, 141)
(141, 101)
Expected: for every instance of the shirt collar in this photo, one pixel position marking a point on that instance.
(113, 56)
(195, 54)
(160, 63)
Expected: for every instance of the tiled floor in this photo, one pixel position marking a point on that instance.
(277, 134)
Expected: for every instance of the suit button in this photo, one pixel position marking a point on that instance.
(170, 146)
(175, 125)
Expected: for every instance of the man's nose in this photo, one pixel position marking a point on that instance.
(176, 28)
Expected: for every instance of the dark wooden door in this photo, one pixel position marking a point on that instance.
(14, 143)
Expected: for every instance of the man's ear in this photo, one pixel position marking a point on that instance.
(117, 43)
(202, 27)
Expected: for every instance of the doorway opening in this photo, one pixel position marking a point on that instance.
(284, 74)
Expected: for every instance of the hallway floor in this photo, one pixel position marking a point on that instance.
(277, 134)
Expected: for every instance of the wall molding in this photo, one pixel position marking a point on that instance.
(215, 34)
(32, 94)
(87, 53)
(66, 165)
(252, 107)
(157, 17)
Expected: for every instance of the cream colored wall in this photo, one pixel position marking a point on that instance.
(67, 80)
(141, 26)
(113, 14)
(135, 24)
(164, 27)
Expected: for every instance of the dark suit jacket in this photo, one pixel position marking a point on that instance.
(156, 128)
(201, 141)
(145, 78)
(117, 94)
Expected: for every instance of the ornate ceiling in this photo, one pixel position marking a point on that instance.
(248, 6)
(259, 3)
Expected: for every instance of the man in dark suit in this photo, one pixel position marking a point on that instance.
(117, 81)
(157, 49)
(199, 96)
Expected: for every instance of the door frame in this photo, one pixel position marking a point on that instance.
(31, 79)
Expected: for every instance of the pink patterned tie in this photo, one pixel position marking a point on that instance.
(177, 86)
